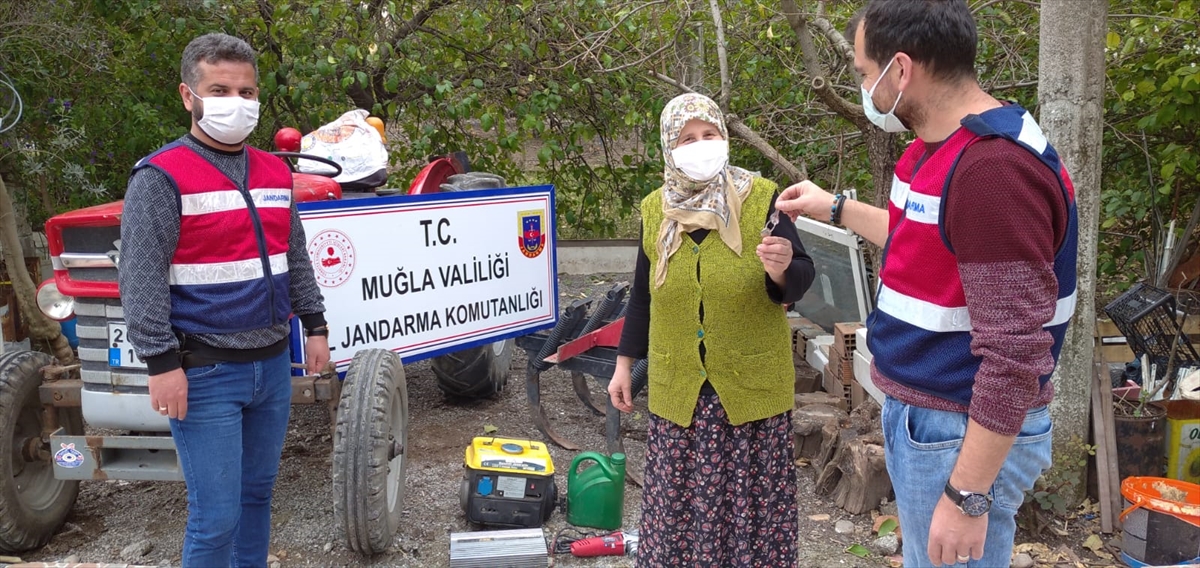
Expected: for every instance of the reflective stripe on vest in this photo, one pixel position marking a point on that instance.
(229, 272)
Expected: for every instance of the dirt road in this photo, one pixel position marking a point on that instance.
(143, 522)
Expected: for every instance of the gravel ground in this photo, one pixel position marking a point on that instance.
(143, 522)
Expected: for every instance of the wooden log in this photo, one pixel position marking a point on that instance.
(810, 398)
(864, 480)
(865, 417)
(827, 461)
(809, 425)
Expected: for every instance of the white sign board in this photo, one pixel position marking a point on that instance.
(424, 275)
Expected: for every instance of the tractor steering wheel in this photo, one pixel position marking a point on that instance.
(325, 161)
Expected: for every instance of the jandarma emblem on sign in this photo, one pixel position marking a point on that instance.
(532, 240)
(332, 256)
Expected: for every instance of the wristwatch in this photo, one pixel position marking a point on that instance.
(971, 504)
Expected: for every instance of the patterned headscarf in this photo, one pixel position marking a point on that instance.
(688, 205)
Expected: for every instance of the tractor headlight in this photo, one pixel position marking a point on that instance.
(54, 304)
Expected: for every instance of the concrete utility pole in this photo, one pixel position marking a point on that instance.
(1071, 108)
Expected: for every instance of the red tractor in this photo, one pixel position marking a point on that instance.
(44, 407)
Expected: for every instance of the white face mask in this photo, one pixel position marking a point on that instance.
(228, 120)
(702, 160)
(887, 122)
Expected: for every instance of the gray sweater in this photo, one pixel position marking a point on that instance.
(149, 235)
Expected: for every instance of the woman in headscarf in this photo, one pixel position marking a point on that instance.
(720, 485)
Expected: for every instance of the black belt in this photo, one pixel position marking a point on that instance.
(194, 354)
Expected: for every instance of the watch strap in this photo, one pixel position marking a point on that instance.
(955, 495)
(959, 498)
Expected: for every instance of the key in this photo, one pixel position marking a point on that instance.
(772, 221)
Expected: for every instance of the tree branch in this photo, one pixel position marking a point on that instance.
(365, 96)
(1016, 85)
(672, 82)
(741, 130)
(361, 97)
(738, 128)
(41, 328)
(976, 8)
(836, 38)
(407, 28)
(812, 64)
(722, 56)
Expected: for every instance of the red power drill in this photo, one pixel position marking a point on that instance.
(615, 544)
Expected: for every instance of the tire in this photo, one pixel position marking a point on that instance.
(477, 372)
(33, 504)
(369, 445)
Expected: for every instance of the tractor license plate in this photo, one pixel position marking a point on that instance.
(120, 351)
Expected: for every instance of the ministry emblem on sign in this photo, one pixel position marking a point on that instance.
(332, 256)
(532, 240)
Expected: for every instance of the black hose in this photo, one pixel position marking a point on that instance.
(557, 335)
(640, 376)
(612, 299)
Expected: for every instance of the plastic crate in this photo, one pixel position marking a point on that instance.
(1147, 317)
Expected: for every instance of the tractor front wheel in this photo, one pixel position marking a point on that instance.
(369, 446)
(33, 504)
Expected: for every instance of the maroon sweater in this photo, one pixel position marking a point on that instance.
(1005, 217)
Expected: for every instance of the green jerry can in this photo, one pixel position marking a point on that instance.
(596, 496)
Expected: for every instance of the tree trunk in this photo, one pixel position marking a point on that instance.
(1071, 95)
(42, 330)
(882, 153)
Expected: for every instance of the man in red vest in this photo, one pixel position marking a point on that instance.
(976, 288)
(213, 265)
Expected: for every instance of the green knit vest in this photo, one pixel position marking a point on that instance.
(747, 341)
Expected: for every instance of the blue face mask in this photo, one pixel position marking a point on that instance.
(887, 122)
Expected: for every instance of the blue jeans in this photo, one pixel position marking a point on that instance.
(922, 446)
(232, 438)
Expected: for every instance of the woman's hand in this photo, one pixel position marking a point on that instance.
(805, 198)
(775, 254)
(620, 388)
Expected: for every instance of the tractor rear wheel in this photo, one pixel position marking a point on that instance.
(33, 504)
(369, 446)
(477, 372)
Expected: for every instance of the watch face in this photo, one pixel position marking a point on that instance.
(976, 504)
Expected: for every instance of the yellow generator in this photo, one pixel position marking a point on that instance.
(508, 483)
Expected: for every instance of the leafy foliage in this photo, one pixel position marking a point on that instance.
(1051, 494)
(565, 93)
(1150, 146)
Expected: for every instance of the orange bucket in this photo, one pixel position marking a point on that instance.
(1145, 492)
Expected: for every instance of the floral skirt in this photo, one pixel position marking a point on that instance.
(719, 495)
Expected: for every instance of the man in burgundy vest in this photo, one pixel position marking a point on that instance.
(976, 288)
(213, 265)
